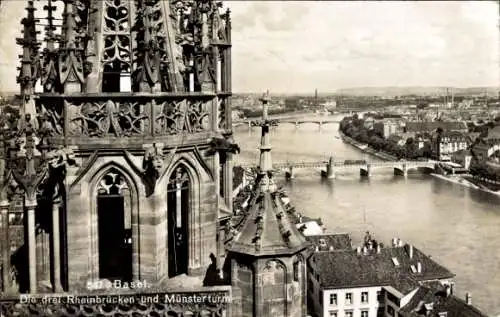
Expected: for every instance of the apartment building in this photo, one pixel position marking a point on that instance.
(370, 281)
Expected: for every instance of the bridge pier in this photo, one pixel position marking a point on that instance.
(249, 125)
(401, 171)
(330, 169)
(365, 171)
(320, 124)
(290, 174)
(296, 125)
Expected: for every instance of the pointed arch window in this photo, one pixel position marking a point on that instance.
(178, 209)
(114, 216)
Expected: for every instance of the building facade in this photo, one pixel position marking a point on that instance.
(123, 172)
(370, 281)
(446, 143)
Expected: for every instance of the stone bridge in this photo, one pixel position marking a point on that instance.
(320, 121)
(331, 167)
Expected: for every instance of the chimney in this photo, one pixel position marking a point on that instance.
(468, 298)
(452, 286)
(410, 251)
(378, 248)
(448, 290)
(419, 267)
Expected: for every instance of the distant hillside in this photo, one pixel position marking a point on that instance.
(420, 91)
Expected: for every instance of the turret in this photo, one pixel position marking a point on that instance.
(268, 247)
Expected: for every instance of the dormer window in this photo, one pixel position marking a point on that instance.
(322, 242)
(395, 261)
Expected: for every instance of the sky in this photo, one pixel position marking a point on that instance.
(298, 46)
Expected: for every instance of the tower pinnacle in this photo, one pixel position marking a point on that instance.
(265, 163)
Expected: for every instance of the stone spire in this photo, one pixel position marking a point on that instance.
(29, 70)
(49, 71)
(70, 59)
(265, 162)
(268, 228)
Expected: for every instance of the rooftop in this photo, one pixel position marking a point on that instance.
(267, 229)
(434, 301)
(401, 267)
(331, 242)
(434, 125)
(494, 133)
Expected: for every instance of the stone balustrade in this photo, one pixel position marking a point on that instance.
(132, 115)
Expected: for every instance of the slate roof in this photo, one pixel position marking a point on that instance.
(430, 126)
(350, 269)
(441, 302)
(337, 241)
(267, 228)
(494, 133)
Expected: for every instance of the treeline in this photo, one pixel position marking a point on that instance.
(482, 170)
(258, 113)
(354, 128)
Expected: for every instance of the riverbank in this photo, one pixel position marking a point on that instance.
(463, 180)
(366, 148)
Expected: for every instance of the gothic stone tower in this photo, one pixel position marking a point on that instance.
(268, 254)
(121, 167)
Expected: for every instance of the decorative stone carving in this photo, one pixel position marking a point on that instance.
(112, 184)
(117, 35)
(154, 165)
(182, 116)
(107, 117)
(222, 124)
(222, 146)
(51, 117)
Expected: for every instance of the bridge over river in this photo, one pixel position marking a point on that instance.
(331, 167)
(297, 121)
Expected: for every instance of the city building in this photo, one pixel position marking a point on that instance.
(462, 157)
(436, 299)
(370, 281)
(446, 143)
(432, 126)
(385, 128)
(330, 242)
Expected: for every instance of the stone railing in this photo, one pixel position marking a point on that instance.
(213, 302)
(132, 114)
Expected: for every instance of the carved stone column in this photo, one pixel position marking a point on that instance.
(228, 181)
(4, 210)
(30, 208)
(56, 249)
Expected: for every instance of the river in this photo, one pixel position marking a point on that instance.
(459, 227)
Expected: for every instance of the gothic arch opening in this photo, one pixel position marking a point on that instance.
(114, 226)
(178, 209)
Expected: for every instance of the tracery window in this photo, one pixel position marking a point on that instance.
(114, 226)
(178, 210)
(117, 46)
